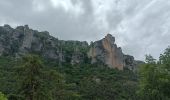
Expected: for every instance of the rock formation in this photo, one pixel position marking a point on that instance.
(22, 40)
(107, 52)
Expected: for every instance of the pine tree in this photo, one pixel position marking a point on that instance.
(31, 78)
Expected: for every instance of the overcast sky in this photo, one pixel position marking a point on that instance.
(140, 26)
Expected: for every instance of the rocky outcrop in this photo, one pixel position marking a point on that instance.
(22, 40)
(129, 62)
(107, 52)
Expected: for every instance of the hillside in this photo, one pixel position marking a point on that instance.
(23, 40)
(68, 70)
(37, 66)
(84, 50)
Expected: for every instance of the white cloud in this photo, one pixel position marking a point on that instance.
(38, 6)
(68, 6)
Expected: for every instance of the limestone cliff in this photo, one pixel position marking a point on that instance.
(107, 52)
(22, 40)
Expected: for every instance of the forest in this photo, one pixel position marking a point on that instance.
(33, 77)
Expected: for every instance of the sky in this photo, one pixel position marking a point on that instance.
(139, 26)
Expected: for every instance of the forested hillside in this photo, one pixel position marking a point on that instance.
(22, 40)
(33, 77)
(37, 66)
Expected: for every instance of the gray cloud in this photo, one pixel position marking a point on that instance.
(140, 27)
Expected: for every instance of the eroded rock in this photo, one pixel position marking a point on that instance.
(107, 52)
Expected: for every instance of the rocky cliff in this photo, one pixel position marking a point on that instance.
(107, 52)
(22, 40)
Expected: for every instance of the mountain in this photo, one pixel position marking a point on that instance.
(22, 40)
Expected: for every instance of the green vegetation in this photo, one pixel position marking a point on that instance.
(34, 78)
(154, 78)
(2, 96)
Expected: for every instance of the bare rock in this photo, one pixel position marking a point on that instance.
(107, 52)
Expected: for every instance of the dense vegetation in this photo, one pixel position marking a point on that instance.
(154, 83)
(35, 78)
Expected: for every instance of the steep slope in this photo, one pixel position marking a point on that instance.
(107, 52)
(22, 40)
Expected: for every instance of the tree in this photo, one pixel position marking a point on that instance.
(2, 96)
(31, 78)
(55, 84)
(147, 83)
(149, 59)
(39, 82)
(154, 79)
(165, 58)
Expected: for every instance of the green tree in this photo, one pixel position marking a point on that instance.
(149, 59)
(41, 83)
(154, 80)
(55, 84)
(165, 58)
(148, 83)
(31, 78)
(2, 96)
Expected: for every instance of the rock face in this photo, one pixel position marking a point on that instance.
(22, 40)
(129, 62)
(107, 52)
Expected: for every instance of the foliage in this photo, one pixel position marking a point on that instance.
(154, 77)
(149, 59)
(38, 78)
(30, 74)
(97, 82)
(2, 96)
(165, 58)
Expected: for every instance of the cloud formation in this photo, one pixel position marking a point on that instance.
(140, 26)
